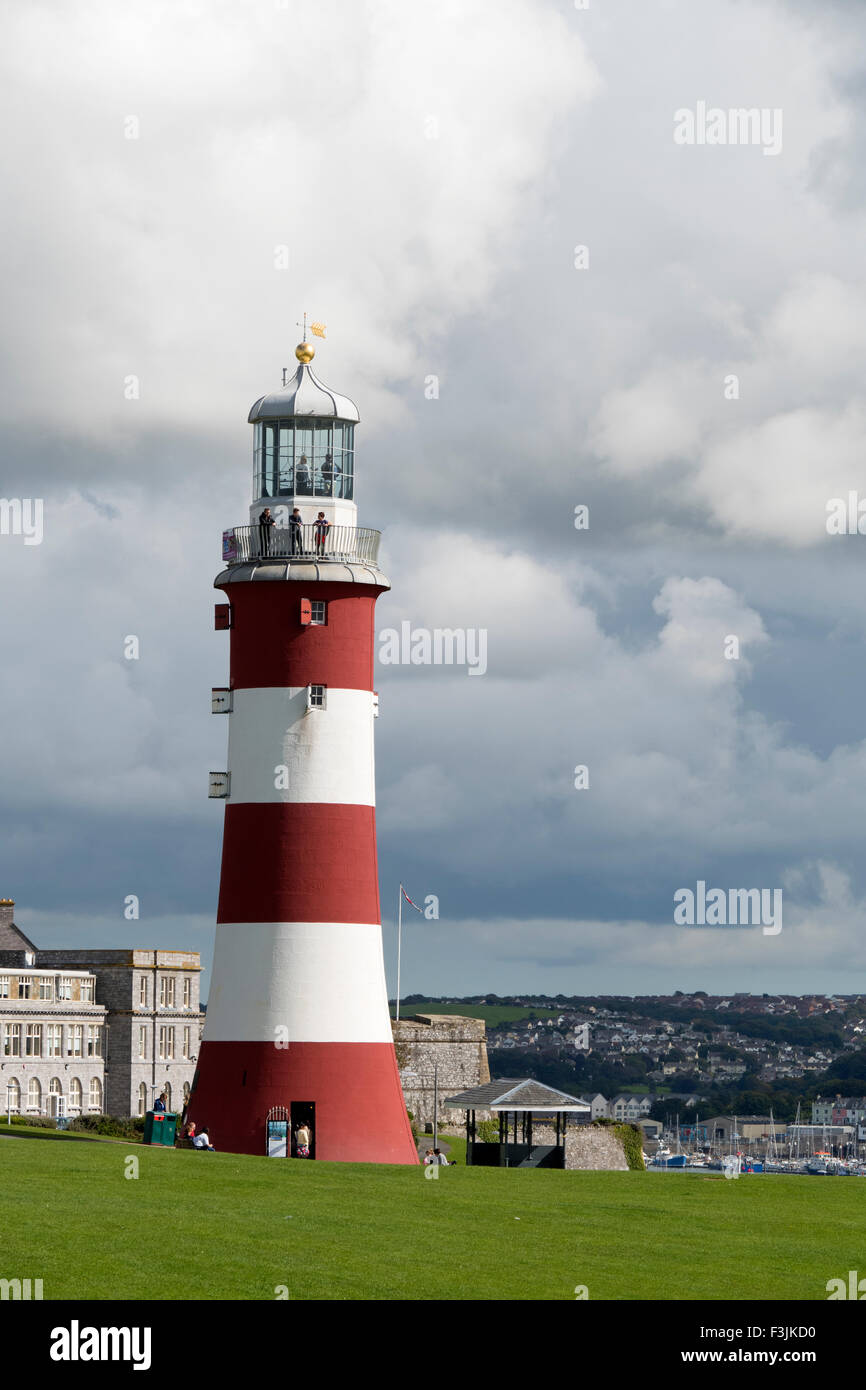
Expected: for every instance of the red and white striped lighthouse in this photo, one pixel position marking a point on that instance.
(298, 1012)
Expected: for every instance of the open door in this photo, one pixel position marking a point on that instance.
(303, 1113)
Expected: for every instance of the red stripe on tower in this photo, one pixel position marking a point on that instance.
(297, 1015)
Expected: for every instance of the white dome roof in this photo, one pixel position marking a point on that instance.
(305, 394)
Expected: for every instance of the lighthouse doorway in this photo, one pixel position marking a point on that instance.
(303, 1113)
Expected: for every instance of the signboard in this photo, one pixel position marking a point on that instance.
(278, 1138)
(230, 546)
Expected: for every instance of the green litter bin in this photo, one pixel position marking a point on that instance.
(160, 1127)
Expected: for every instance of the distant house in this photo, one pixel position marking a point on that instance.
(599, 1107)
(628, 1109)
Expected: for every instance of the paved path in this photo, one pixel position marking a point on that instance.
(425, 1142)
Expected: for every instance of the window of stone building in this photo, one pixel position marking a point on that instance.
(94, 1040)
(142, 1043)
(12, 1040)
(142, 992)
(34, 1095)
(187, 1036)
(74, 1039)
(54, 1040)
(187, 992)
(142, 1098)
(75, 1093)
(4, 986)
(64, 988)
(33, 1040)
(87, 991)
(46, 987)
(172, 982)
(13, 1096)
(163, 991)
(25, 986)
(94, 1097)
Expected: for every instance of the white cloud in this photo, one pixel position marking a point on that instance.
(155, 256)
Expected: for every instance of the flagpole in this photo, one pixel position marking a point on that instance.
(399, 935)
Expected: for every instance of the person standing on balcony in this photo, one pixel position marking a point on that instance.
(266, 523)
(321, 531)
(297, 534)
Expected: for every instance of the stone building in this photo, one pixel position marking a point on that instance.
(149, 1014)
(154, 1022)
(52, 1032)
(439, 1050)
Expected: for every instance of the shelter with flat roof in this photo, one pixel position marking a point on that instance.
(515, 1102)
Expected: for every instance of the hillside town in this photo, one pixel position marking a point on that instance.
(656, 1056)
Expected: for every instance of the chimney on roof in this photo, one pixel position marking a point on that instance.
(7, 911)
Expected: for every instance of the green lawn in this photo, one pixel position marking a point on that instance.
(41, 1132)
(219, 1226)
(493, 1014)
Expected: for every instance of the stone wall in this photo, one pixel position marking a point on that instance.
(586, 1147)
(459, 1048)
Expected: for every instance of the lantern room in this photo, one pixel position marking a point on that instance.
(304, 448)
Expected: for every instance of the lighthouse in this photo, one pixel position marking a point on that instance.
(297, 1018)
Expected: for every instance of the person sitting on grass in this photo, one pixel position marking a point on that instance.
(202, 1140)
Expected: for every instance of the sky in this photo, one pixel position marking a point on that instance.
(540, 301)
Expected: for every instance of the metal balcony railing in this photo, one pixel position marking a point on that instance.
(305, 542)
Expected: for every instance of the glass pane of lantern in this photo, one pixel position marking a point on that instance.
(287, 467)
(303, 458)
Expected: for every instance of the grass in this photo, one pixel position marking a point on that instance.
(41, 1132)
(493, 1014)
(221, 1226)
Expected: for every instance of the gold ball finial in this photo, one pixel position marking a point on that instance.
(305, 352)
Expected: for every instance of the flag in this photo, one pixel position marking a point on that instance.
(408, 899)
(318, 329)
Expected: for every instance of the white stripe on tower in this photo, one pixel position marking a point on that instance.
(279, 750)
(324, 982)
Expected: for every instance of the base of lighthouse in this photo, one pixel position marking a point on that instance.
(358, 1114)
(298, 1018)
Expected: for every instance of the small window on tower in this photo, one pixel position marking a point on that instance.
(316, 698)
(318, 611)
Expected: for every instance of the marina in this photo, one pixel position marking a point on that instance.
(791, 1149)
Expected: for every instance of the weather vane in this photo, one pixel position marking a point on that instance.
(305, 352)
(315, 327)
